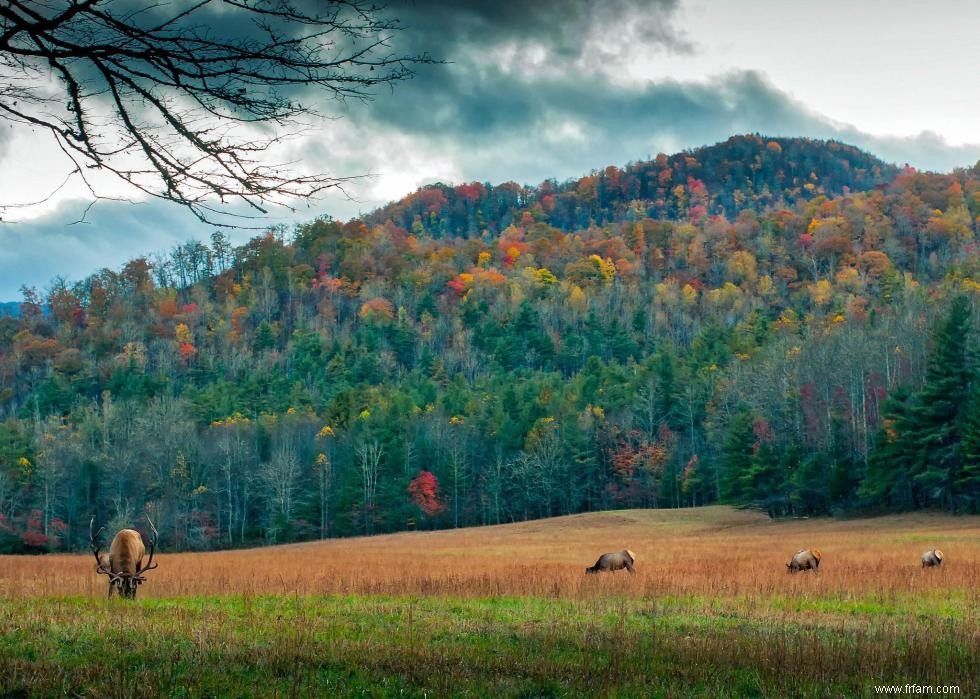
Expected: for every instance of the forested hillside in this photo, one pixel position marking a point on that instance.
(784, 323)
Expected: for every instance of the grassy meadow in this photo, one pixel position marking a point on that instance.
(508, 611)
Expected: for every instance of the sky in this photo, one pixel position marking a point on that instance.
(554, 89)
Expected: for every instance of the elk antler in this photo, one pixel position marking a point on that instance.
(96, 548)
(150, 565)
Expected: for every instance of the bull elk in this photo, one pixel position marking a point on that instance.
(124, 564)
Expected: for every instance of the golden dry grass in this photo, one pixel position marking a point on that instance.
(509, 611)
(711, 552)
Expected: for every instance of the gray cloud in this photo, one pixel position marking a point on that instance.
(529, 93)
(565, 28)
(926, 151)
(496, 126)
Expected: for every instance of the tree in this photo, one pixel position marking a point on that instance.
(183, 100)
(926, 453)
(369, 464)
(280, 477)
(324, 471)
(234, 440)
(888, 479)
(738, 452)
(939, 413)
(424, 491)
(458, 467)
(52, 462)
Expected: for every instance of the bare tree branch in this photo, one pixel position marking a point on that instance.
(183, 99)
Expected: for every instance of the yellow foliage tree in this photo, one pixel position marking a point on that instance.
(848, 278)
(727, 296)
(183, 333)
(788, 320)
(821, 292)
(765, 287)
(690, 295)
(540, 277)
(741, 267)
(606, 267)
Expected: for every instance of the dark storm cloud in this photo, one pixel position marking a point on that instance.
(499, 126)
(448, 30)
(561, 126)
(528, 93)
(474, 92)
(495, 104)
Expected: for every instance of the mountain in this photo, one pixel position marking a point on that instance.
(744, 172)
(776, 323)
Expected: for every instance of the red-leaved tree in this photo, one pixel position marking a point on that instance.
(424, 491)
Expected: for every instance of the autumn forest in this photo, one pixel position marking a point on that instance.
(788, 325)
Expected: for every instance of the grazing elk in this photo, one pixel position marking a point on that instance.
(614, 561)
(125, 563)
(932, 558)
(806, 559)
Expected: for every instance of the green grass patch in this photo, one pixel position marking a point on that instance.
(531, 647)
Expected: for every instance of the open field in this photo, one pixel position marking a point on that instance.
(508, 611)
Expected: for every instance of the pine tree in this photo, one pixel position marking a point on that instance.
(888, 481)
(738, 454)
(938, 414)
(810, 486)
(764, 483)
(667, 389)
(265, 337)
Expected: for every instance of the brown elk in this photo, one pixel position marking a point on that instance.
(124, 564)
(806, 559)
(613, 561)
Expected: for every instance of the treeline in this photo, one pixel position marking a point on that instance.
(810, 354)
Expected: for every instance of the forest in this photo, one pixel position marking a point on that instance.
(784, 324)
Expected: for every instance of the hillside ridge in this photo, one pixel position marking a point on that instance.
(744, 171)
(477, 355)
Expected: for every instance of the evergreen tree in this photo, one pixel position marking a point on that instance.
(810, 486)
(888, 481)
(938, 414)
(265, 337)
(738, 455)
(763, 484)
